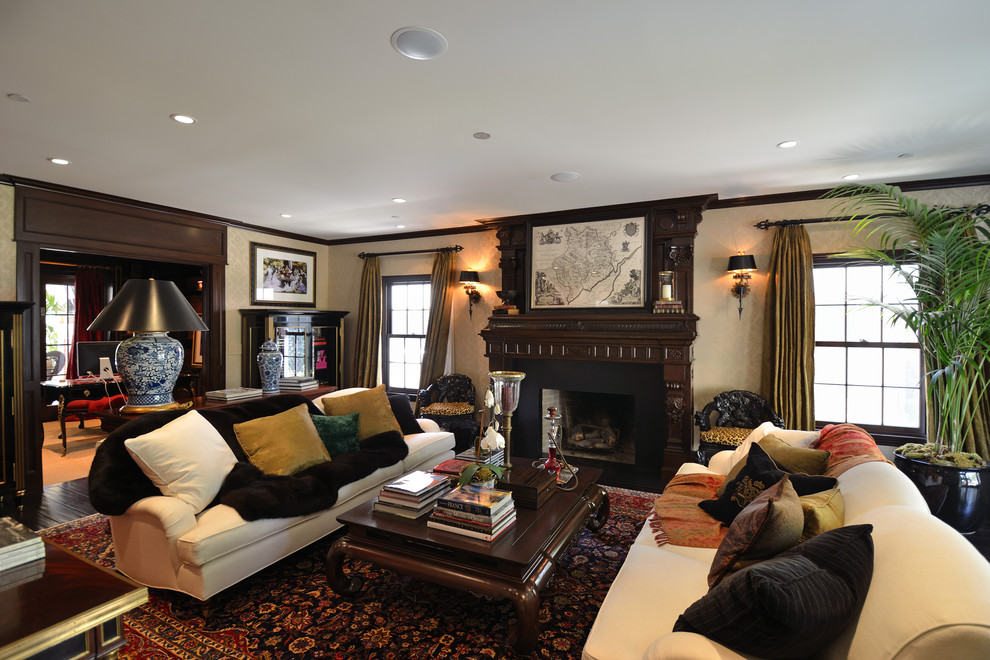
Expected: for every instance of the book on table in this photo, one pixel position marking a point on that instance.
(18, 544)
(466, 529)
(417, 483)
(453, 466)
(473, 520)
(472, 498)
(413, 495)
(234, 393)
(298, 383)
(471, 456)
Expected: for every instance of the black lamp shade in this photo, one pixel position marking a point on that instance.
(741, 263)
(469, 276)
(148, 306)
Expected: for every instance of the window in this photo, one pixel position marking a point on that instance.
(407, 312)
(867, 371)
(60, 311)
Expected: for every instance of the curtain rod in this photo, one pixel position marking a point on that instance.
(767, 224)
(365, 255)
(982, 209)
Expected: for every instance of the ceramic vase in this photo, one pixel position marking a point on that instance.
(269, 366)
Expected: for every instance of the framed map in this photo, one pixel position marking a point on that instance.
(588, 264)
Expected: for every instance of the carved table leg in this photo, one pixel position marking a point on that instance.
(340, 582)
(599, 517)
(61, 420)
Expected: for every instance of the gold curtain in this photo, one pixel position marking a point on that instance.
(369, 325)
(789, 329)
(438, 331)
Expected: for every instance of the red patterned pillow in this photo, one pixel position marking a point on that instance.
(849, 446)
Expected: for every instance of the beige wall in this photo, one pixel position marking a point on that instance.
(480, 253)
(728, 349)
(238, 289)
(8, 251)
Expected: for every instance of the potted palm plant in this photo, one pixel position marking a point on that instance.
(943, 255)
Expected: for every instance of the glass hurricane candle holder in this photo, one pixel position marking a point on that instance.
(666, 285)
(505, 385)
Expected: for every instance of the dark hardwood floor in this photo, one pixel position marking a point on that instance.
(68, 501)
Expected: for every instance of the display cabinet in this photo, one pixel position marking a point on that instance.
(12, 433)
(311, 342)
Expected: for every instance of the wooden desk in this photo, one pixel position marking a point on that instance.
(111, 420)
(75, 389)
(71, 610)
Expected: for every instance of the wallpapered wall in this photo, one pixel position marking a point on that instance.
(728, 349)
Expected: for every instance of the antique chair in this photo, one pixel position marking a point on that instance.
(738, 413)
(449, 401)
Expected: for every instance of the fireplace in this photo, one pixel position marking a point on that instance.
(621, 377)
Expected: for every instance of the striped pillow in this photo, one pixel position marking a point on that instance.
(793, 605)
(849, 446)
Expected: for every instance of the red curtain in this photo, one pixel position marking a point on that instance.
(90, 301)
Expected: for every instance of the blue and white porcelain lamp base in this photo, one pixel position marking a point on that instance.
(149, 363)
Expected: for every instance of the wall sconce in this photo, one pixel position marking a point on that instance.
(470, 279)
(741, 265)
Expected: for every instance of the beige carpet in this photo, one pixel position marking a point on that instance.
(81, 445)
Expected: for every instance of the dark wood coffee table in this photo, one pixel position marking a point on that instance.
(515, 566)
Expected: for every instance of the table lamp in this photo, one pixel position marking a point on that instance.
(149, 361)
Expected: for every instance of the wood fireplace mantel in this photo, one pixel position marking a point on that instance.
(607, 336)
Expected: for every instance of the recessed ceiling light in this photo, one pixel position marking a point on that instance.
(481, 135)
(285, 215)
(183, 119)
(419, 43)
(850, 177)
(787, 144)
(58, 161)
(400, 226)
(565, 177)
(18, 97)
(398, 200)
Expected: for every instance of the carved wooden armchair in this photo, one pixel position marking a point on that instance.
(738, 412)
(449, 401)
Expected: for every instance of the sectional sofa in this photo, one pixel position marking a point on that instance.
(928, 594)
(208, 517)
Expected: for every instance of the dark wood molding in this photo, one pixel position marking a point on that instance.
(809, 195)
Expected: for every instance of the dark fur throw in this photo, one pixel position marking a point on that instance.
(116, 481)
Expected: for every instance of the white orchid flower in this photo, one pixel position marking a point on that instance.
(492, 440)
(489, 398)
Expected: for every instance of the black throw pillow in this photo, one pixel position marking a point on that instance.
(403, 412)
(792, 605)
(759, 473)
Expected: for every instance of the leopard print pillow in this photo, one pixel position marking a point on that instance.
(728, 436)
(448, 408)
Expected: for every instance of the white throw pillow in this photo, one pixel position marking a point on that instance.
(186, 458)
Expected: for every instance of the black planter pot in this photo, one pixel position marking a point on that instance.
(958, 496)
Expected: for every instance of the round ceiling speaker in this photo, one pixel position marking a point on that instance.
(419, 43)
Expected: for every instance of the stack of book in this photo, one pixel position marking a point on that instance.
(505, 309)
(18, 545)
(412, 496)
(668, 307)
(234, 393)
(495, 457)
(474, 511)
(297, 384)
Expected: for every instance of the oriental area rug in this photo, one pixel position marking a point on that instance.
(289, 611)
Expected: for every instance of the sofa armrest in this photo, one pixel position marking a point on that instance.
(684, 645)
(428, 425)
(722, 461)
(170, 515)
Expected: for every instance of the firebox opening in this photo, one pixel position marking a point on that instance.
(594, 425)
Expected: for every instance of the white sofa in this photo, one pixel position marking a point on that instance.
(160, 541)
(929, 596)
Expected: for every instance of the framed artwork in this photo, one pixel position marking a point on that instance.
(282, 277)
(588, 264)
(196, 358)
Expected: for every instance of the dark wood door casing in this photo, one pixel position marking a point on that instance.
(78, 221)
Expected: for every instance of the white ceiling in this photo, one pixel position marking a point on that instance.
(303, 107)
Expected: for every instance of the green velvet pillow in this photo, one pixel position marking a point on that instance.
(339, 434)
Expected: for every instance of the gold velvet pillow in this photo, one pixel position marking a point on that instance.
(822, 511)
(374, 412)
(284, 443)
(794, 459)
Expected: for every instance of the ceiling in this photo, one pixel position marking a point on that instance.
(304, 107)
